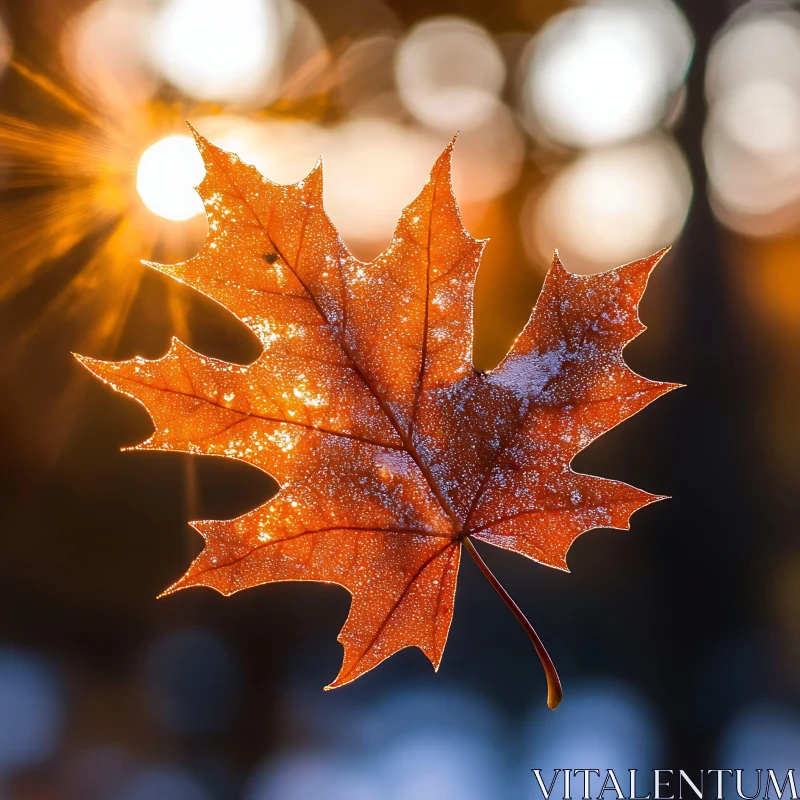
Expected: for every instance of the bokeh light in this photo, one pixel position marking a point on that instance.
(411, 710)
(763, 117)
(427, 745)
(762, 737)
(606, 724)
(365, 77)
(761, 42)
(610, 206)
(30, 710)
(449, 73)
(168, 172)
(220, 51)
(192, 682)
(488, 159)
(304, 71)
(412, 744)
(309, 774)
(752, 134)
(430, 766)
(606, 71)
(283, 151)
(103, 48)
(391, 161)
(162, 783)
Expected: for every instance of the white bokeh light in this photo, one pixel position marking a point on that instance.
(753, 130)
(611, 206)
(487, 160)
(752, 192)
(372, 169)
(762, 116)
(104, 49)
(304, 68)
(606, 71)
(449, 73)
(365, 76)
(219, 51)
(283, 151)
(755, 47)
(168, 172)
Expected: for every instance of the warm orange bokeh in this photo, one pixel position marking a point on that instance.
(390, 448)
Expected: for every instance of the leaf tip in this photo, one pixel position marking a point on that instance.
(173, 588)
(444, 162)
(648, 264)
(648, 500)
(314, 180)
(661, 388)
(658, 255)
(204, 147)
(651, 262)
(557, 264)
(337, 683)
(196, 135)
(92, 365)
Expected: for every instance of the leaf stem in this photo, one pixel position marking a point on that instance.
(554, 690)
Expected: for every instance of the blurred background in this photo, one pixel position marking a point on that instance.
(607, 129)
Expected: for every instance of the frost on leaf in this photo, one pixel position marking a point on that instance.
(391, 451)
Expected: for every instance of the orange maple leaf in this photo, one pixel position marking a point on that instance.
(392, 452)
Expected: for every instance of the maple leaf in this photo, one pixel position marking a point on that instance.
(392, 452)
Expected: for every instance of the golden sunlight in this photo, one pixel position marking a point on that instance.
(168, 172)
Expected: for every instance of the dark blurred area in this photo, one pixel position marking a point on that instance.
(607, 129)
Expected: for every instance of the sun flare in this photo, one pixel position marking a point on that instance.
(167, 174)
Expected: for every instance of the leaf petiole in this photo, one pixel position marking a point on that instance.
(554, 690)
